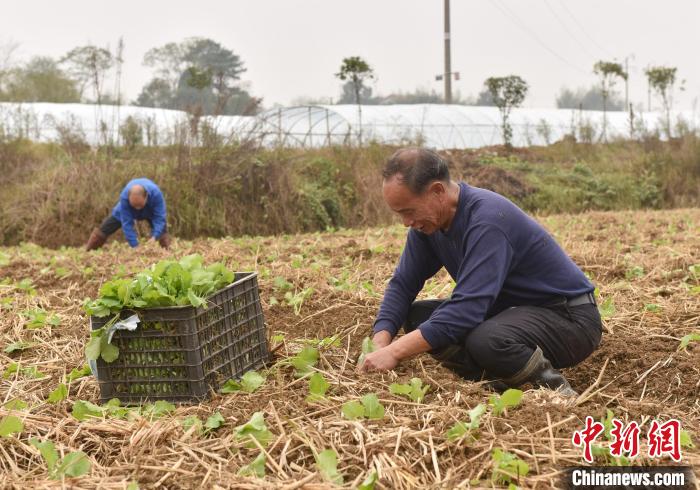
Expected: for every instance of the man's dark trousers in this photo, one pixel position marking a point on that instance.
(500, 347)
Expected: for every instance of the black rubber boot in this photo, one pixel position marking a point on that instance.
(96, 240)
(539, 371)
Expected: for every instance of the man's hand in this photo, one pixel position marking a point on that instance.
(379, 360)
(386, 358)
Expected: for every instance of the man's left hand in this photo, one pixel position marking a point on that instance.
(379, 360)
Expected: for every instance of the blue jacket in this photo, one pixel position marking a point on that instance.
(154, 211)
(498, 256)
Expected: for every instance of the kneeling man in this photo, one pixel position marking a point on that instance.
(520, 310)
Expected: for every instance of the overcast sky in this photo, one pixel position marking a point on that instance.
(292, 48)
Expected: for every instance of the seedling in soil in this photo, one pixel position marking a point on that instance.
(369, 482)
(10, 425)
(415, 390)
(367, 347)
(20, 345)
(317, 388)
(652, 308)
(369, 408)
(304, 361)
(78, 373)
(510, 398)
(38, 318)
(687, 339)
(327, 463)
(603, 451)
(296, 300)
(213, 422)
(256, 429)
(27, 372)
(607, 308)
(332, 341)
(281, 284)
(27, 286)
(507, 467)
(59, 394)
(255, 467)
(460, 429)
(113, 409)
(15, 404)
(74, 464)
(686, 440)
(250, 381)
(634, 273)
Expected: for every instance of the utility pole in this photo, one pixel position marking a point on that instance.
(627, 82)
(448, 67)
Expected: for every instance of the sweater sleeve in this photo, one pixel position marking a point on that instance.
(159, 214)
(418, 263)
(127, 219)
(487, 258)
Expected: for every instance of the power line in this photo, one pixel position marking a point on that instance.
(568, 31)
(580, 26)
(514, 18)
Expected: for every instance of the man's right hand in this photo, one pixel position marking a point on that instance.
(381, 339)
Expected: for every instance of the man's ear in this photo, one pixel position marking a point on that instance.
(437, 188)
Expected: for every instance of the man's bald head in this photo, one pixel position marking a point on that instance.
(416, 168)
(137, 196)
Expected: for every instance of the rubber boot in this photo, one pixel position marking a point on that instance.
(539, 371)
(96, 240)
(164, 240)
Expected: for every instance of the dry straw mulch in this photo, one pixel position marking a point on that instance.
(642, 263)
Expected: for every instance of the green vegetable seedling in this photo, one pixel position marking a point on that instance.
(460, 429)
(250, 381)
(367, 347)
(74, 464)
(317, 388)
(415, 390)
(327, 463)
(507, 467)
(256, 429)
(368, 408)
(510, 398)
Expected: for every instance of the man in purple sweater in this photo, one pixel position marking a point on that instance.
(520, 310)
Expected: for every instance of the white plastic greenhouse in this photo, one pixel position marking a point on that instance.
(434, 125)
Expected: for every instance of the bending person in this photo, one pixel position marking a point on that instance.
(141, 199)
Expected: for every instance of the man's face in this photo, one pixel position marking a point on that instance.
(420, 212)
(137, 200)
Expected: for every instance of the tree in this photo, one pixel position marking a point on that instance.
(419, 96)
(198, 75)
(661, 80)
(506, 93)
(349, 95)
(607, 71)
(357, 71)
(39, 80)
(7, 51)
(88, 65)
(484, 99)
(588, 99)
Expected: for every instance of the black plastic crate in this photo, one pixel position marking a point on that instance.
(181, 353)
